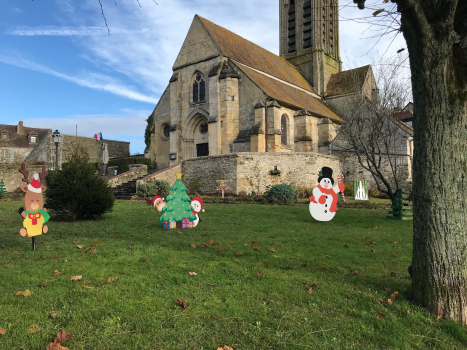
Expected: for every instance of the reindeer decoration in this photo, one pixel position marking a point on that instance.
(34, 213)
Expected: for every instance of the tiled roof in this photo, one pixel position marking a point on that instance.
(403, 115)
(21, 140)
(255, 60)
(347, 81)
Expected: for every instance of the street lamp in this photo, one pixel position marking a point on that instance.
(57, 138)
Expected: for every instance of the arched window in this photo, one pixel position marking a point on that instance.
(284, 129)
(199, 89)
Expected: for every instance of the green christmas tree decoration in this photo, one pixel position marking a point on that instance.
(178, 204)
(401, 208)
(2, 187)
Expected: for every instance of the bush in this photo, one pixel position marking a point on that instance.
(282, 192)
(76, 192)
(151, 188)
(194, 185)
(348, 191)
(304, 192)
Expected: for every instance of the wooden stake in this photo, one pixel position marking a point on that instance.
(34, 243)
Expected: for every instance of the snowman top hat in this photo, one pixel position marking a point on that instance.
(325, 173)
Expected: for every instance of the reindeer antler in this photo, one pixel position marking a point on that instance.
(25, 173)
(43, 174)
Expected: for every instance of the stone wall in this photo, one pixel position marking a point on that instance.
(117, 149)
(168, 174)
(13, 178)
(130, 175)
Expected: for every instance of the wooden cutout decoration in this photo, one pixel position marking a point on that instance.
(223, 186)
(323, 203)
(361, 190)
(197, 204)
(34, 214)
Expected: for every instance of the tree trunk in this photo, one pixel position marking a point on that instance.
(439, 75)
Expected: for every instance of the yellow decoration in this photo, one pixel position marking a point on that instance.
(179, 176)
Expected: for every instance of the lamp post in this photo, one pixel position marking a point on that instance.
(57, 138)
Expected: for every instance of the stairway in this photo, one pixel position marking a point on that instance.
(126, 190)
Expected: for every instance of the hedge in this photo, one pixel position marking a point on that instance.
(124, 163)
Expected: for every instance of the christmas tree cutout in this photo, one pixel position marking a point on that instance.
(2, 187)
(178, 207)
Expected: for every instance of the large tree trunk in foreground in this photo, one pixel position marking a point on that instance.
(439, 74)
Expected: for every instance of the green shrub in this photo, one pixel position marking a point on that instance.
(194, 185)
(304, 192)
(151, 188)
(348, 191)
(76, 192)
(124, 163)
(283, 192)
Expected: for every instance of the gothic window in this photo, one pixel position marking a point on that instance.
(307, 24)
(284, 129)
(203, 128)
(199, 89)
(291, 28)
(165, 132)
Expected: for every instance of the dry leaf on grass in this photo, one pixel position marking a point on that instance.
(310, 289)
(387, 301)
(327, 256)
(170, 258)
(2, 331)
(183, 303)
(86, 286)
(380, 316)
(193, 246)
(323, 267)
(394, 295)
(93, 251)
(383, 287)
(212, 242)
(95, 244)
(192, 273)
(26, 293)
(294, 239)
(238, 253)
(33, 329)
(265, 264)
(143, 259)
(55, 257)
(7, 262)
(181, 245)
(346, 246)
(80, 246)
(237, 261)
(257, 248)
(259, 273)
(159, 276)
(16, 252)
(56, 272)
(53, 315)
(395, 255)
(59, 340)
(271, 250)
(355, 272)
(129, 248)
(110, 280)
(205, 246)
(315, 285)
(214, 317)
(373, 250)
(43, 284)
(225, 347)
(76, 278)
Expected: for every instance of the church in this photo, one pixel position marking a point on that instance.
(229, 95)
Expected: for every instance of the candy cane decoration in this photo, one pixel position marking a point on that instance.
(339, 181)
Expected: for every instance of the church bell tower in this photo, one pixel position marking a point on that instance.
(309, 39)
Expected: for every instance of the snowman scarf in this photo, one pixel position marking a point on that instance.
(328, 192)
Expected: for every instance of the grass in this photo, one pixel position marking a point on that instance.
(228, 302)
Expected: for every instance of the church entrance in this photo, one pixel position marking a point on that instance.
(202, 149)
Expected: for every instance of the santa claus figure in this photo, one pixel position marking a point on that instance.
(197, 204)
(323, 203)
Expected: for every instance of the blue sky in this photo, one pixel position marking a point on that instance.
(59, 67)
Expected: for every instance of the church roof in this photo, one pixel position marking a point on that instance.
(274, 75)
(347, 81)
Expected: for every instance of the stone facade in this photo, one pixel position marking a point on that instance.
(13, 178)
(130, 175)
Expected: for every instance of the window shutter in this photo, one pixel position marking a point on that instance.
(201, 90)
(12, 156)
(195, 92)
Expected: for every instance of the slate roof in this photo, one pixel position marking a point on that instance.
(254, 58)
(403, 115)
(21, 140)
(347, 81)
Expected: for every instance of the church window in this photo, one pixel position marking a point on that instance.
(199, 89)
(4, 135)
(291, 28)
(284, 130)
(165, 132)
(203, 128)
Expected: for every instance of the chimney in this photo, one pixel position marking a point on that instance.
(19, 128)
(375, 96)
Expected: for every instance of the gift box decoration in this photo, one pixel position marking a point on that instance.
(173, 224)
(192, 224)
(185, 223)
(166, 225)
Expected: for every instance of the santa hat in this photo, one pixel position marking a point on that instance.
(200, 201)
(35, 185)
(155, 199)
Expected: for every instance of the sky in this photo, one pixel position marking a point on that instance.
(60, 67)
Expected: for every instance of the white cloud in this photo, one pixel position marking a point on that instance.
(67, 31)
(89, 79)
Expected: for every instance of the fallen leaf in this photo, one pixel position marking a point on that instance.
(43, 284)
(47, 246)
(226, 347)
(88, 248)
(214, 317)
(383, 287)
(380, 315)
(237, 261)
(355, 272)
(55, 257)
(7, 262)
(159, 276)
(257, 248)
(271, 250)
(259, 273)
(310, 289)
(395, 255)
(294, 239)
(193, 246)
(367, 243)
(372, 250)
(63, 336)
(387, 301)
(181, 245)
(93, 251)
(143, 259)
(110, 279)
(129, 248)
(76, 278)
(179, 232)
(220, 250)
(316, 240)
(16, 252)
(192, 273)
(394, 295)
(104, 239)
(33, 329)
(327, 256)
(80, 246)
(212, 242)
(182, 303)
(393, 273)
(53, 315)
(323, 267)
(170, 258)
(86, 286)
(238, 253)
(408, 311)
(123, 272)
(56, 272)
(265, 264)
(2, 331)
(26, 293)
(346, 246)
(315, 285)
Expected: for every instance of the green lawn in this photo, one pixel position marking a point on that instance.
(228, 302)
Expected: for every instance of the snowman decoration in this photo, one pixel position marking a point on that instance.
(197, 204)
(323, 203)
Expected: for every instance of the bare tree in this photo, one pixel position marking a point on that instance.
(436, 35)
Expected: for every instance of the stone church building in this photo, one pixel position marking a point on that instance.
(228, 95)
